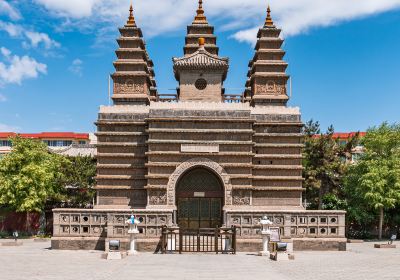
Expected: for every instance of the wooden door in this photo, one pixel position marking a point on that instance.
(195, 213)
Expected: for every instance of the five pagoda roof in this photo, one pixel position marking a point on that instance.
(133, 58)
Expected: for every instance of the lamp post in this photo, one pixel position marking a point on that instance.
(15, 235)
(133, 232)
(265, 233)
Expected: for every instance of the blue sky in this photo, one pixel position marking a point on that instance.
(56, 55)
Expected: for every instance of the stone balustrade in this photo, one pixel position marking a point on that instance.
(92, 228)
(292, 224)
(107, 223)
(111, 223)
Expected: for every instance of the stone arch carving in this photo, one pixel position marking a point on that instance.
(199, 162)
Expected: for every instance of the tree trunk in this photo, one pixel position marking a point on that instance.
(27, 222)
(320, 199)
(321, 194)
(380, 222)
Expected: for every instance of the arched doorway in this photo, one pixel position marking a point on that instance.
(199, 197)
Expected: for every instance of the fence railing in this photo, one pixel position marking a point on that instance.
(226, 98)
(205, 240)
(232, 98)
(167, 98)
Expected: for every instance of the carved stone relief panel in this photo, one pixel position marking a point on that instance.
(157, 197)
(261, 89)
(270, 87)
(241, 197)
(128, 87)
(281, 89)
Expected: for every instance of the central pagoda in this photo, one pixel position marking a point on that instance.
(201, 159)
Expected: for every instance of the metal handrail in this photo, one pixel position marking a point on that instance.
(217, 240)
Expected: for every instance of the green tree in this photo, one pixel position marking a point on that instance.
(375, 180)
(29, 176)
(325, 162)
(79, 180)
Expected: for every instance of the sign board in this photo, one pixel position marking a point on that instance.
(200, 148)
(275, 237)
(199, 194)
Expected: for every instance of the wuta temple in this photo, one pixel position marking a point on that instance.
(201, 158)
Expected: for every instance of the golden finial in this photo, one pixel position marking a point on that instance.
(202, 41)
(200, 17)
(268, 20)
(131, 19)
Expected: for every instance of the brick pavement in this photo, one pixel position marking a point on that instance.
(35, 261)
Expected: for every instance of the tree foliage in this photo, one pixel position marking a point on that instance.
(324, 164)
(375, 180)
(32, 178)
(79, 180)
(29, 176)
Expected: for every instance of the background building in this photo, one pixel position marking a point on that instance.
(67, 143)
(344, 137)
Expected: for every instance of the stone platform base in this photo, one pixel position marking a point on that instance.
(41, 239)
(150, 244)
(319, 244)
(385, 246)
(355, 241)
(91, 243)
(12, 243)
(78, 243)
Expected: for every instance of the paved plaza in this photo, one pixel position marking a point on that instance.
(36, 261)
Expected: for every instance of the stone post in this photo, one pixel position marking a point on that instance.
(287, 224)
(133, 232)
(266, 234)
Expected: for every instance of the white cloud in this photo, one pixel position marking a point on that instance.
(13, 30)
(76, 67)
(16, 69)
(34, 39)
(3, 98)
(70, 8)
(242, 17)
(296, 17)
(247, 35)
(37, 38)
(9, 128)
(5, 52)
(10, 11)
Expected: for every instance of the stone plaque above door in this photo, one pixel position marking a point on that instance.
(199, 148)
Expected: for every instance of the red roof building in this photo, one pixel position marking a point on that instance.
(55, 140)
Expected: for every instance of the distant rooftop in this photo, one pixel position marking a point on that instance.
(347, 135)
(47, 135)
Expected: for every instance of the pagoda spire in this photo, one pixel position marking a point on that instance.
(131, 19)
(200, 28)
(267, 77)
(268, 21)
(134, 81)
(200, 18)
